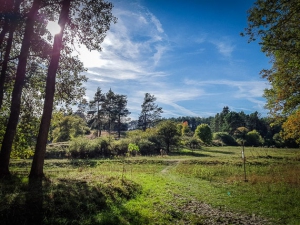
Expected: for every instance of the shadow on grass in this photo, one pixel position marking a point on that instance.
(195, 153)
(67, 202)
(219, 151)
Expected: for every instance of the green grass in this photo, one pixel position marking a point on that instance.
(155, 190)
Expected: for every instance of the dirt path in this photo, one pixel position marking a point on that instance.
(214, 216)
(206, 213)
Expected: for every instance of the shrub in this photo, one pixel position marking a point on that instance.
(119, 147)
(223, 138)
(253, 138)
(147, 147)
(133, 149)
(191, 142)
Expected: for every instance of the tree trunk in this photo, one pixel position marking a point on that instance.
(40, 149)
(119, 126)
(17, 92)
(98, 125)
(12, 28)
(4, 30)
(168, 147)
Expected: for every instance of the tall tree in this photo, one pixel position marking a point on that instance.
(17, 91)
(82, 12)
(150, 114)
(13, 20)
(276, 24)
(109, 108)
(40, 150)
(232, 121)
(96, 111)
(121, 110)
(5, 16)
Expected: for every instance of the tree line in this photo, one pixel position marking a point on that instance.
(106, 111)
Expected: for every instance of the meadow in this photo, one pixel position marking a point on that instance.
(205, 186)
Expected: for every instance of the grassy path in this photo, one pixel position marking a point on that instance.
(172, 163)
(177, 199)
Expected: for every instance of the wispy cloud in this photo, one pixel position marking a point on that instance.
(224, 46)
(129, 51)
(156, 22)
(242, 89)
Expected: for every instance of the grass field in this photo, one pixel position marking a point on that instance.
(187, 187)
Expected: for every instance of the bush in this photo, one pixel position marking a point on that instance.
(58, 150)
(223, 138)
(119, 147)
(85, 148)
(191, 142)
(133, 149)
(253, 138)
(147, 147)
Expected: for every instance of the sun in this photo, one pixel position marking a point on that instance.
(53, 27)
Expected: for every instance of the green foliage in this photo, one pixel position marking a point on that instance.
(149, 141)
(203, 132)
(150, 114)
(278, 140)
(25, 137)
(232, 120)
(167, 130)
(191, 142)
(68, 127)
(133, 149)
(100, 147)
(224, 138)
(253, 138)
(275, 23)
(179, 128)
(108, 110)
(147, 147)
(240, 134)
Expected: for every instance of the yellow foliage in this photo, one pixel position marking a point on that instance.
(291, 127)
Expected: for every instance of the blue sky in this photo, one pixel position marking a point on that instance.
(188, 54)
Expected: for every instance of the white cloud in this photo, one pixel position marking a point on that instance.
(159, 52)
(129, 52)
(242, 88)
(156, 22)
(224, 47)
